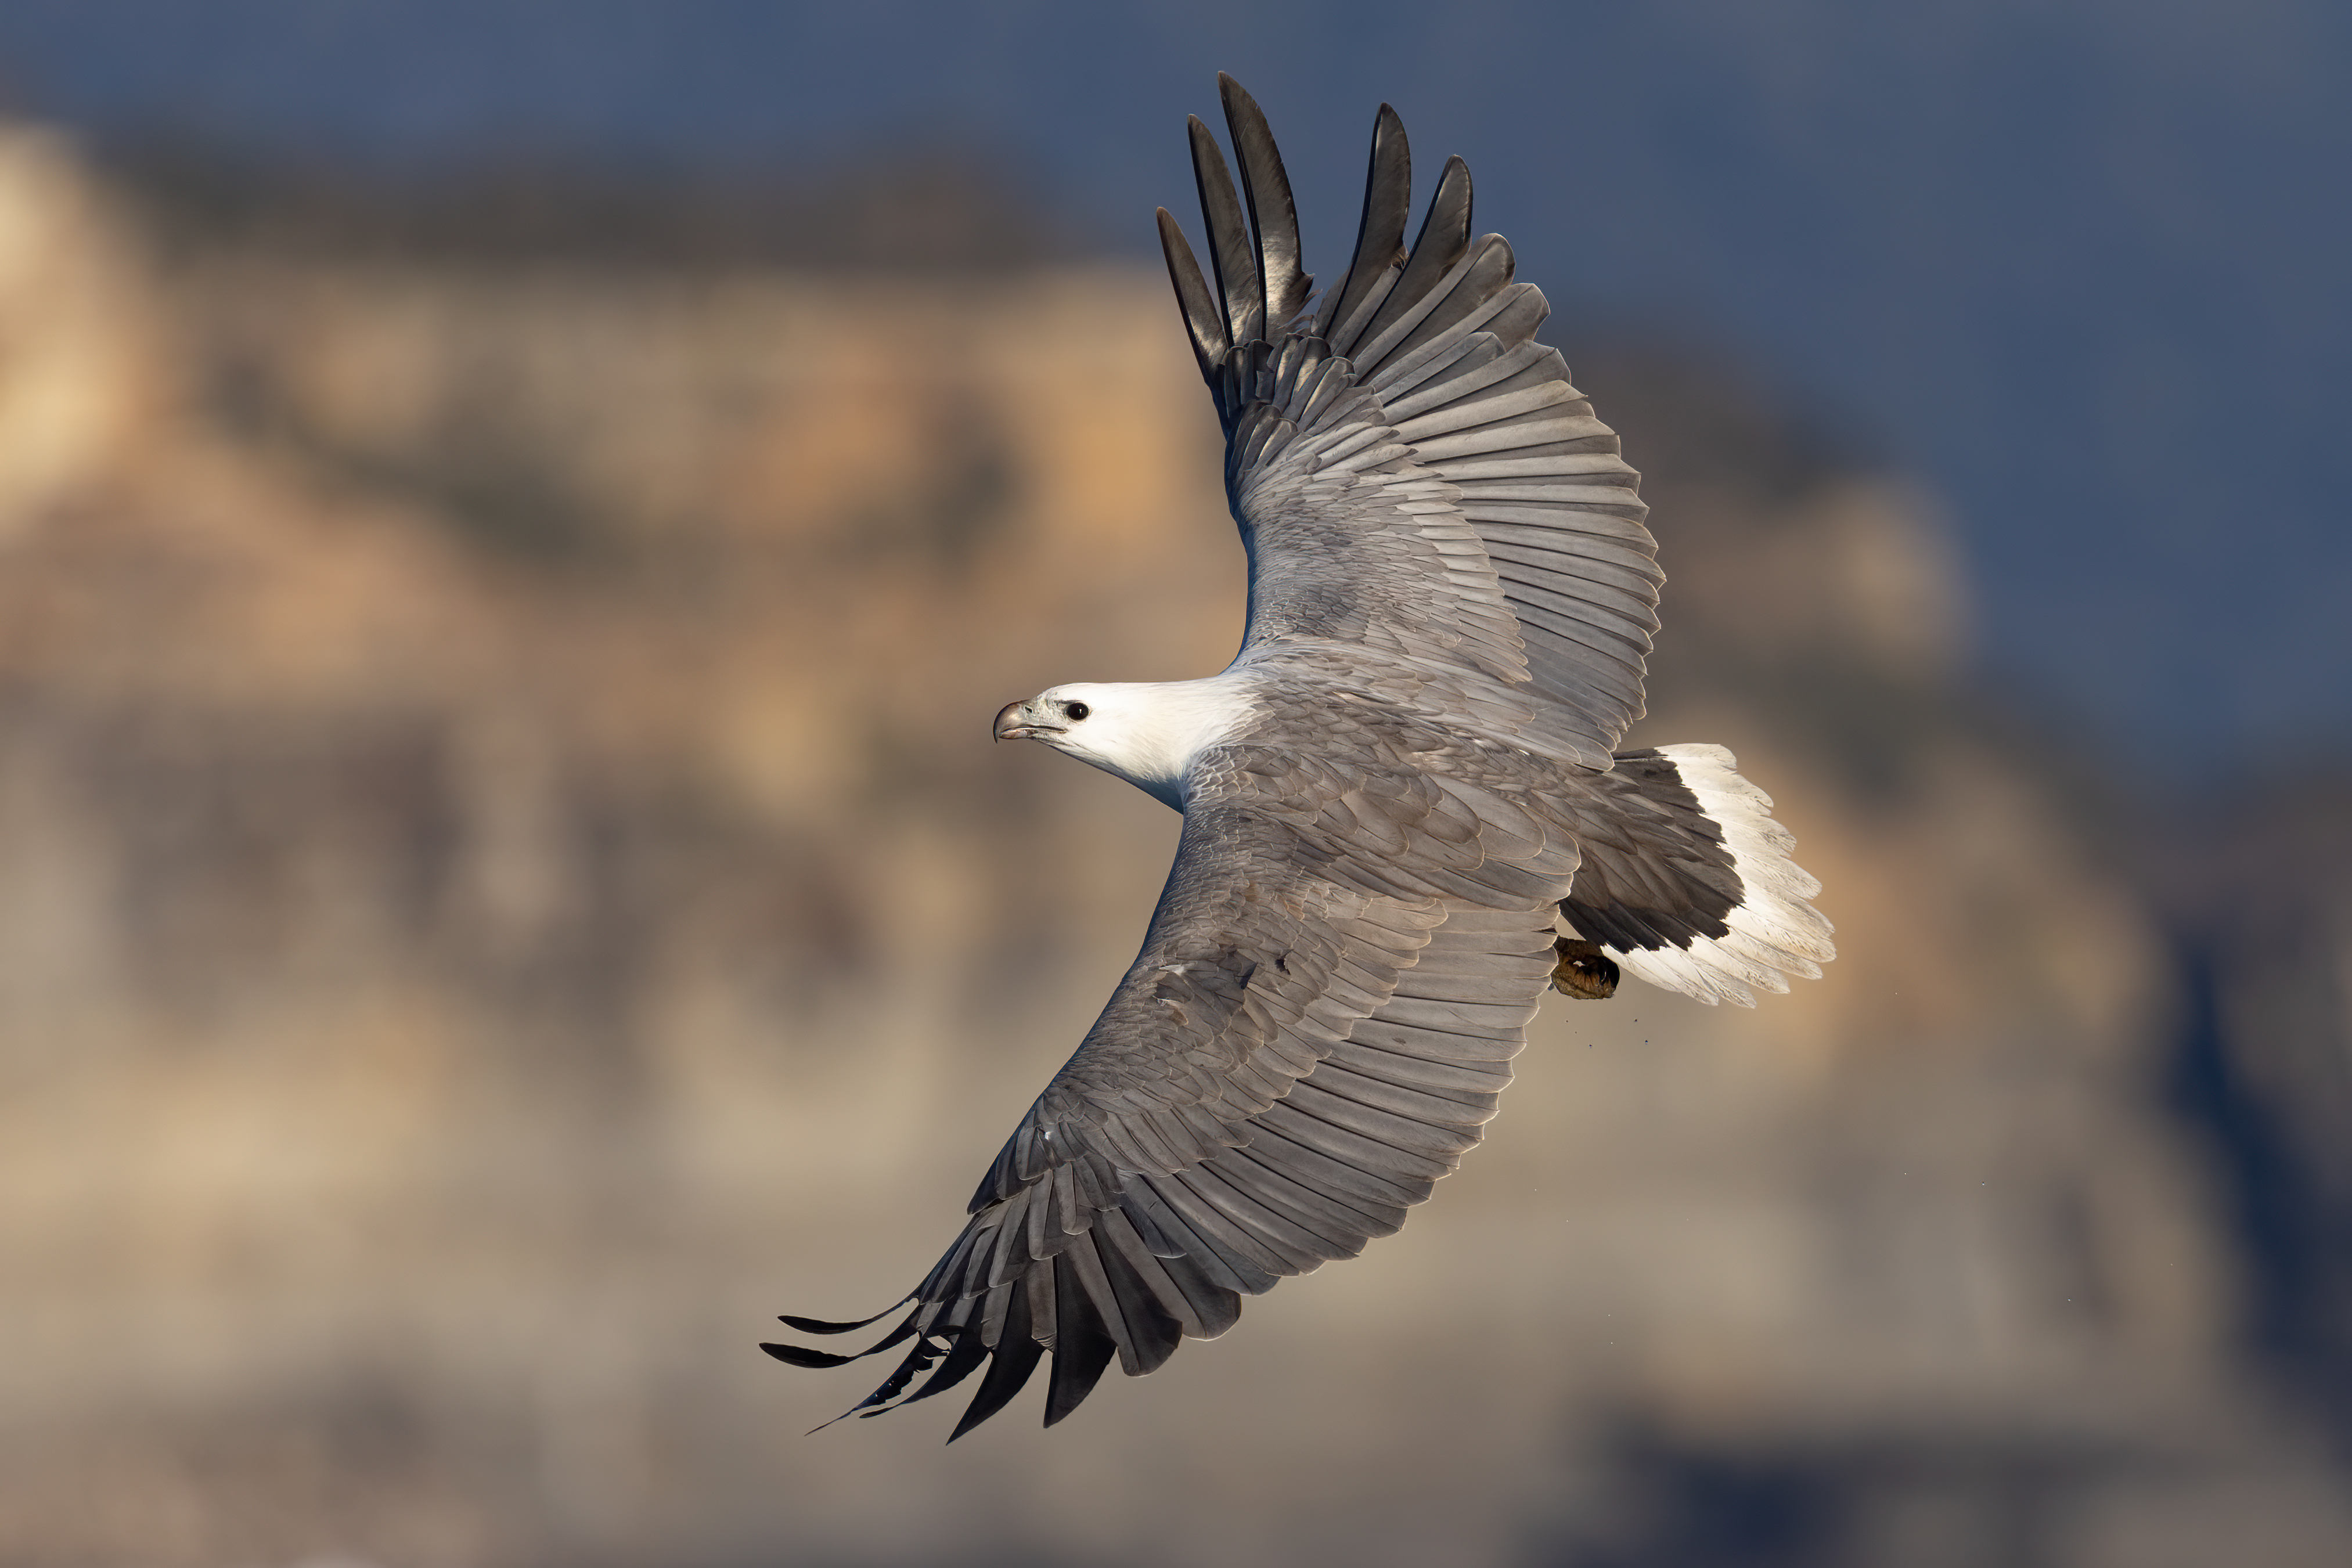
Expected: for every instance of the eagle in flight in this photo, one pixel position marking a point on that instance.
(1405, 813)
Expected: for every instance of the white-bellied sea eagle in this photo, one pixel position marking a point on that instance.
(1405, 813)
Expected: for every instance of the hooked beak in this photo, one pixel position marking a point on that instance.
(1014, 722)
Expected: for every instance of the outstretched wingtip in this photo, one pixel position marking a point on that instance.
(793, 1355)
(837, 1421)
(1204, 319)
(823, 1325)
(1380, 235)
(1281, 278)
(1233, 257)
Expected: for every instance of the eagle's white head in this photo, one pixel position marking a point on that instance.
(1146, 732)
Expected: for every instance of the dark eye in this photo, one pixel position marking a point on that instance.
(1077, 710)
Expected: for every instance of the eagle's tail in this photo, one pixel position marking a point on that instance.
(1689, 884)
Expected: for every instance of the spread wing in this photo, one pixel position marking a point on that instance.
(1340, 968)
(1412, 471)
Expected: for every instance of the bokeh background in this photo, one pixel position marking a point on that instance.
(515, 517)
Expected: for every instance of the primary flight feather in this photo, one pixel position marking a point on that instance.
(1404, 810)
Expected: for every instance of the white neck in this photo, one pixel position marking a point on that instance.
(1148, 732)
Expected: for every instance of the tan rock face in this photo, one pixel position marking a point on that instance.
(77, 364)
(509, 885)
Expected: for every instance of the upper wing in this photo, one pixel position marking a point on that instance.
(1411, 470)
(1324, 1011)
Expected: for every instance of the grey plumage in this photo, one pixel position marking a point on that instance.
(1396, 798)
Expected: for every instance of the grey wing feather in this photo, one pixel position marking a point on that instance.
(1415, 477)
(1318, 1025)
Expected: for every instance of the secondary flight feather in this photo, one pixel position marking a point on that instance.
(1405, 813)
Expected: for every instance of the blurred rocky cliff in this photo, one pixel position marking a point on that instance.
(504, 885)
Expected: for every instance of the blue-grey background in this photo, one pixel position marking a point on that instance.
(2077, 266)
(514, 518)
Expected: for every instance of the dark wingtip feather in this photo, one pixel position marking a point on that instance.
(962, 1359)
(1151, 1335)
(1083, 1345)
(1230, 250)
(1204, 321)
(1079, 1362)
(917, 1360)
(1008, 1370)
(821, 1325)
(1380, 233)
(1283, 283)
(794, 1355)
(1443, 240)
(1007, 1375)
(1449, 212)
